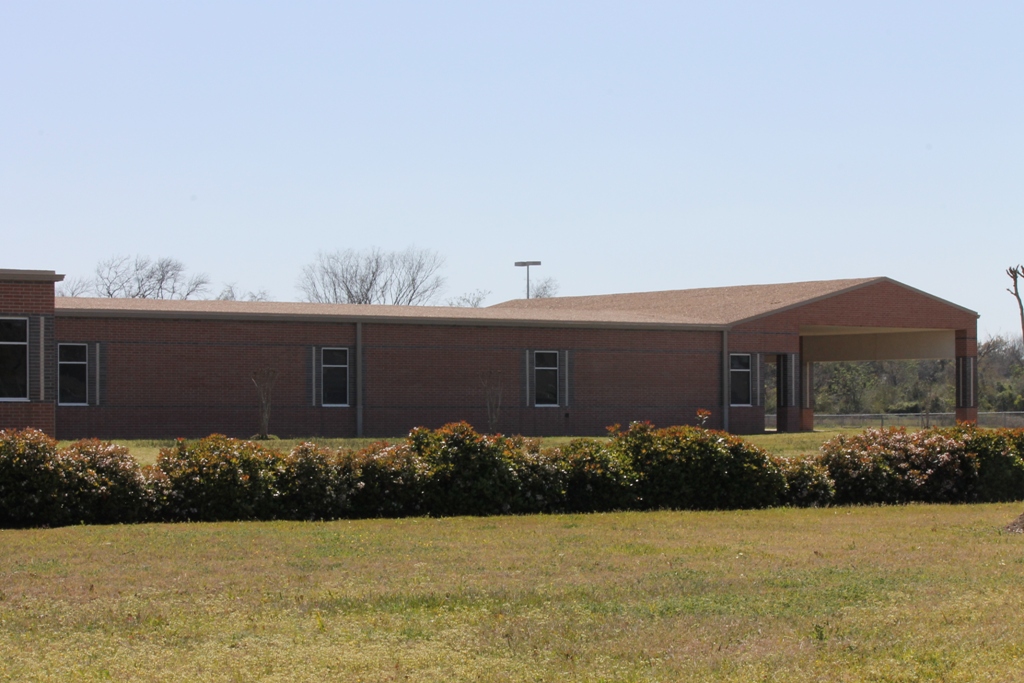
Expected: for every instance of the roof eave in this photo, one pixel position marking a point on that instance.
(377, 319)
(13, 275)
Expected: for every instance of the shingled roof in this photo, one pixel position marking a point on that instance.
(715, 307)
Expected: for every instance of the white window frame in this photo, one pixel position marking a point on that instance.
(558, 391)
(348, 378)
(28, 390)
(73, 362)
(750, 378)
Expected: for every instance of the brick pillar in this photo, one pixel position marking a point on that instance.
(807, 398)
(966, 376)
(790, 412)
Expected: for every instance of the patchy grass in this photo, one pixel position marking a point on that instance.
(914, 593)
(796, 443)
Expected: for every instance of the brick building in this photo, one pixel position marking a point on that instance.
(137, 368)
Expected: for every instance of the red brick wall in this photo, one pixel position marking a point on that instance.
(165, 378)
(21, 298)
(32, 300)
(169, 378)
(27, 414)
(884, 304)
(420, 375)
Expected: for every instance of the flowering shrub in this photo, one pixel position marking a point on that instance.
(106, 484)
(467, 472)
(386, 480)
(89, 481)
(1000, 465)
(314, 484)
(698, 469)
(540, 477)
(456, 471)
(33, 480)
(808, 483)
(217, 478)
(598, 477)
(894, 466)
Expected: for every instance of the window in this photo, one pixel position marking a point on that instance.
(72, 375)
(545, 365)
(334, 363)
(739, 379)
(13, 359)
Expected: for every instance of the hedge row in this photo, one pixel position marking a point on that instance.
(456, 471)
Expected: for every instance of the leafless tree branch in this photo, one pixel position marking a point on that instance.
(545, 289)
(405, 278)
(230, 293)
(141, 278)
(1016, 273)
(74, 286)
(473, 299)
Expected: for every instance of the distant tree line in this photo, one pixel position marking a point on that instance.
(916, 386)
(411, 277)
(140, 277)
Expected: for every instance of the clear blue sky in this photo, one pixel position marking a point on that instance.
(629, 146)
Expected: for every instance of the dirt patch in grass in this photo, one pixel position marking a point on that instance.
(1016, 526)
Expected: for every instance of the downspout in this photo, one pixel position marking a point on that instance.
(725, 380)
(359, 379)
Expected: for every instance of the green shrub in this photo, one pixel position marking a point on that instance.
(808, 483)
(314, 484)
(33, 480)
(894, 466)
(598, 477)
(698, 469)
(89, 481)
(217, 478)
(456, 471)
(467, 473)
(1000, 465)
(105, 484)
(540, 478)
(386, 480)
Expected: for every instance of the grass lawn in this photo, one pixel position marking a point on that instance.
(797, 443)
(915, 593)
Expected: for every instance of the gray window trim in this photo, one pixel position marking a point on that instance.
(25, 344)
(750, 377)
(348, 376)
(558, 379)
(85, 363)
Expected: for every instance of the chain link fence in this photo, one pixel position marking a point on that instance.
(911, 420)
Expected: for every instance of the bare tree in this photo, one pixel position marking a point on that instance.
(545, 289)
(493, 383)
(1016, 273)
(402, 278)
(74, 286)
(264, 379)
(414, 276)
(142, 278)
(472, 299)
(229, 293)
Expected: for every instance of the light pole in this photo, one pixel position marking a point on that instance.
(527, 265)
